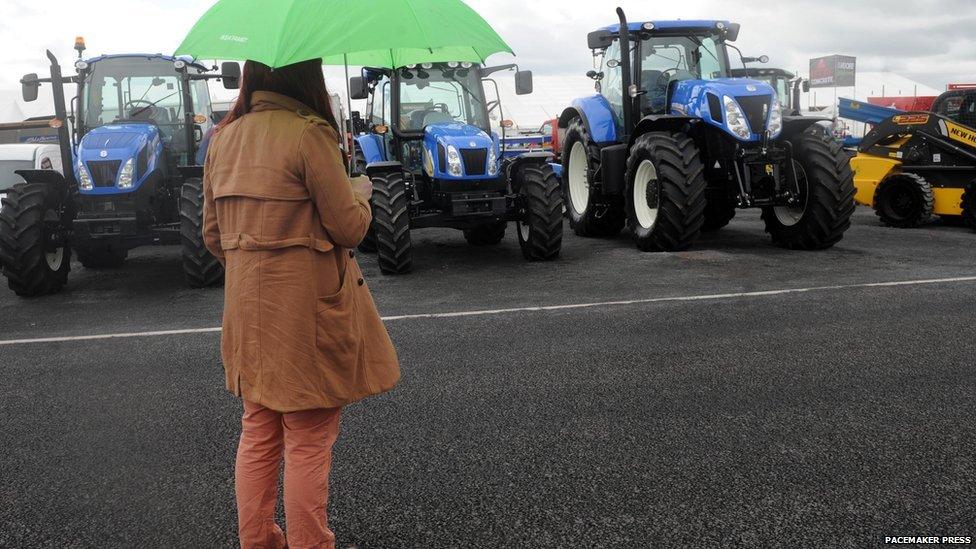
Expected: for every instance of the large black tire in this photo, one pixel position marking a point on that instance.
(488, 234)
(719, 211)
(200, 267)
(904, 201)
(102, 257)
(826, 200)
(665, 192)
(540, 231)
(391, 223)
(33, 264)
(590, 212)
(368, 245)
(969, 206)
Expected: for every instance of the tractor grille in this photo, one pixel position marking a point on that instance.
(756, 108)
(103, 172)
(474, 161)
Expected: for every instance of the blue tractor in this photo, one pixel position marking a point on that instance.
(672, 145)
(434, 162)
(132, 176)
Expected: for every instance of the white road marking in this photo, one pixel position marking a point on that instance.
(484, 312)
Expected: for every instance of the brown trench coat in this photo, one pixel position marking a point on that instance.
(300, 328)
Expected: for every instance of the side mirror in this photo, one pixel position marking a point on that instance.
(733, 32)
(29, 86)
(230, 74)
(506, 123)
(764, 59)
(523, 82)
(806, 85)
(358, 88)
(599, 40)
(594, 75)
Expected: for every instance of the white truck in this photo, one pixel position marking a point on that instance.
(25, 156)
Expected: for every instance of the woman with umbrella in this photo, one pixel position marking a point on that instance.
(301, 334)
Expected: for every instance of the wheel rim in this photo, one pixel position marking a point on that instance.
(791, 215)
(523, 230)
(902, 203)
(579, 188)
(55, 259)
(645, 194)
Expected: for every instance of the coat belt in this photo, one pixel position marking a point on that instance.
(247, 243)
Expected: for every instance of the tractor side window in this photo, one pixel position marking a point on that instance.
(612, 84)
(709, 65)
(379, 111)
(103, 103)
(662, 60)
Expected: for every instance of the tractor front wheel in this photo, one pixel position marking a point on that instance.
(200, 267)
(33, 259)
(590, 212)
(904, 200)
(540, 230)
(666, 192)
(101, 257)
(969, 206)
(391, 223)
(488, 234)
(823, 209)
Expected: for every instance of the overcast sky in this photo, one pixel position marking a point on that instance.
(930, 41)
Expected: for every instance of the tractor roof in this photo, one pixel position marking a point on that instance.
(170, 58)
(752, 72)
(690, 25)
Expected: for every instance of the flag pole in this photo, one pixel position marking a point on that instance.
(348, 120)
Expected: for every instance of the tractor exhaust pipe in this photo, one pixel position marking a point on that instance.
(61, 113)
(625, 70)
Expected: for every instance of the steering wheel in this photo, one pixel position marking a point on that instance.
(443, 108)
(140, 107)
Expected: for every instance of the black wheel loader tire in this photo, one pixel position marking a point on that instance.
(665, 192)
(826, 197)
(200, 267)
(969, 206)
(33, 264)
(391, 223)
(590, 213)
(488, 234)
(540, 231)
(904, 201)
(719, 212)
(368, 245)
(103, 257)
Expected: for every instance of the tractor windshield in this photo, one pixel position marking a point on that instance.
(141, 89)
(440, 94)
(664, 59)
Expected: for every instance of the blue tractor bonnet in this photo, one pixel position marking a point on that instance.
(705, 99)
(472, 145)
(105, 150)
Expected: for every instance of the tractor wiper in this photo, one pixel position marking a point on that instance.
(701, 46)
(153, 104)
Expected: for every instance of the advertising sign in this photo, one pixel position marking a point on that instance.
(833, 71)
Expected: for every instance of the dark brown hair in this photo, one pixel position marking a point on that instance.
(302, 81)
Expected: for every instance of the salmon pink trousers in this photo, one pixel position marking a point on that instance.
(305, 440)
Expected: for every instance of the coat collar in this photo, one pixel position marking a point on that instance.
(267, 101)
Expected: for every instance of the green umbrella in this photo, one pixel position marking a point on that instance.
(384, 33)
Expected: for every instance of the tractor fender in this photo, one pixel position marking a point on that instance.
(660, 123)
(50, 178)
(597, 116)
(372, 147)
(514, 164)
(795, 125)
(190, 172)
(383, 166)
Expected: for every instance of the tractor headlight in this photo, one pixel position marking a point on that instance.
(454, 161)
(84, 179)
(735, 120)
(492, 161)
(775, 125)
(125, 175)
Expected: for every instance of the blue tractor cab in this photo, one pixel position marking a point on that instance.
(673, 143)
(139, 121)
(435, 162)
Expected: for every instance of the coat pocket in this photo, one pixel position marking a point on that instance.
(338, 338)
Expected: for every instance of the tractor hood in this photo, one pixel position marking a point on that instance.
(742, 108)
(106, 150)
(460, 151)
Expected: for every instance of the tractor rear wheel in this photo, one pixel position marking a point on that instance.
(826, 197)
(590, 212)
(665, 192)
(488, 234)
(368, 245)
(200, 267)
(969, 206)
(101, 257)
(391, 223)
(904, 200)
(33, 261)
(540, 231)
(719, 211)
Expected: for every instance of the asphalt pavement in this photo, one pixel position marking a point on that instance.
(735, 395)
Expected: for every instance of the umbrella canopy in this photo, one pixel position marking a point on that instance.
(379, 33)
